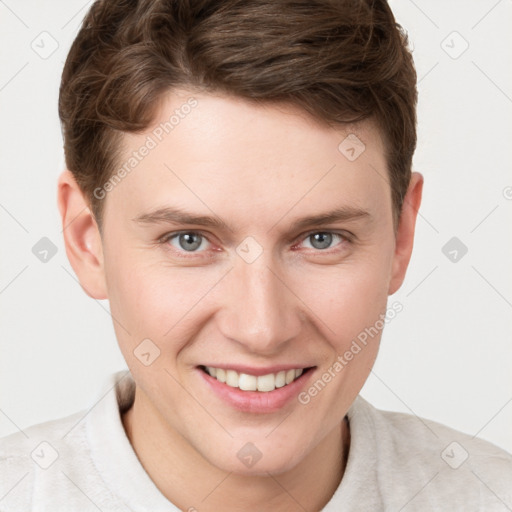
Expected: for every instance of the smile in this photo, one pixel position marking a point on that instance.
(247, 382)
(256, 390)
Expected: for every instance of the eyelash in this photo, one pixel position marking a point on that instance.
(344, 237)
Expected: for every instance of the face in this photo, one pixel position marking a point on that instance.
(212, 256)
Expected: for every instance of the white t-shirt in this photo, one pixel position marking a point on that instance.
(396, 462)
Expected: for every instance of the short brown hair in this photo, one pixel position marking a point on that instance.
(342, 61)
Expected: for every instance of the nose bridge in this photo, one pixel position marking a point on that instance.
(260, 312)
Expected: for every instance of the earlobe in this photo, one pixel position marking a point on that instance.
(82, 238)
(404, 239)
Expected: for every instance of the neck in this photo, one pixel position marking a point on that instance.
(191, 482)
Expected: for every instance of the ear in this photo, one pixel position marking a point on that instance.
(81, 237)
(405, 233)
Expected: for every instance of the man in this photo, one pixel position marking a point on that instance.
(239, 188)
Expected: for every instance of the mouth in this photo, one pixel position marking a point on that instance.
(265, 383)
(256, 390)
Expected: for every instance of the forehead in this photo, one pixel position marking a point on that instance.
(269, 128)
(221, 153)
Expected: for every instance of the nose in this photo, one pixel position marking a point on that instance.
(260, 310)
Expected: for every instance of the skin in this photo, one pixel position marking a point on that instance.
(258, 167)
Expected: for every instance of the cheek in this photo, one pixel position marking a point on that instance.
(350, 303)
(348, 298)
(152, 300)
(148, 299)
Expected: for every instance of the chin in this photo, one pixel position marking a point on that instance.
(249, 461)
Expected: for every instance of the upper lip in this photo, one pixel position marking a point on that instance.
(257, 371)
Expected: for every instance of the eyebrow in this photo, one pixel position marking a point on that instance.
(174, 215)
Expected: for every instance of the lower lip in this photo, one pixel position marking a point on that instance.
(257, 401)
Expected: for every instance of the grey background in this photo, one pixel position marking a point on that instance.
(447, 356)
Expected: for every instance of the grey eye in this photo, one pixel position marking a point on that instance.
(321, 240)
(189, 241)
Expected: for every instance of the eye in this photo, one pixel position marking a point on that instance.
(187, 241)
(322, 240)
(194, 242)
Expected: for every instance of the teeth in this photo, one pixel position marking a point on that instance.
(246, 382)
(290, 376)
(280, 380)
(231, 378)
(266, 382)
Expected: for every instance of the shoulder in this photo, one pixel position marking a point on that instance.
(37, 454)
(57, 428)
(411, 433)
(412, 452)
(60, 464)
(32, 441)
